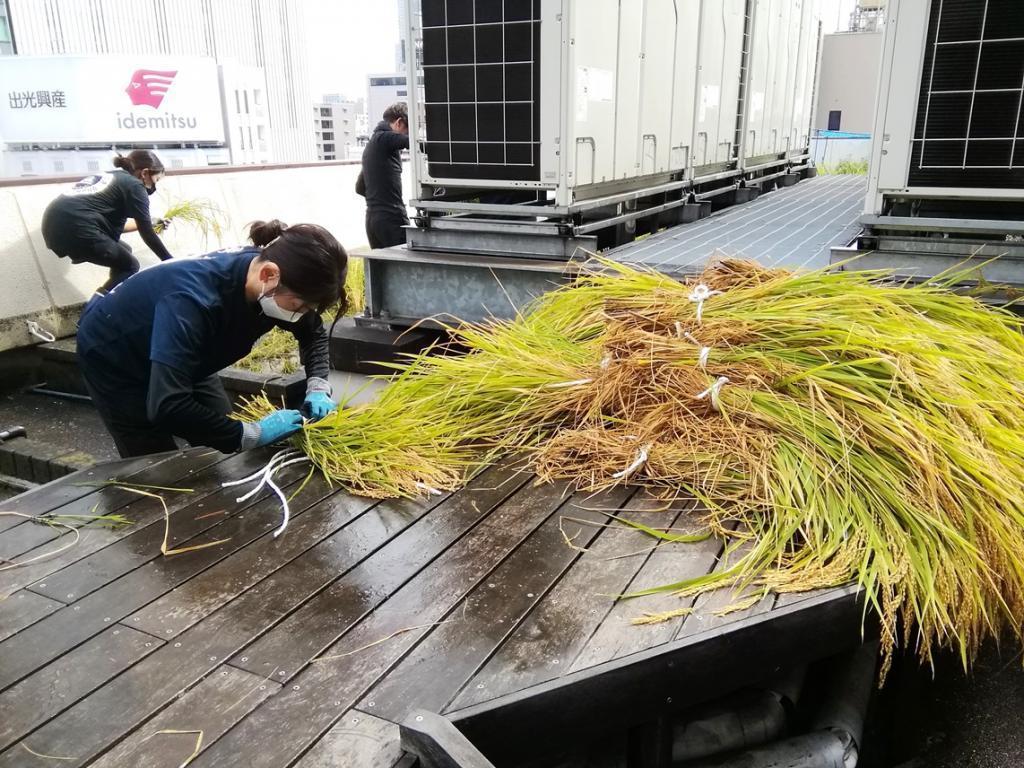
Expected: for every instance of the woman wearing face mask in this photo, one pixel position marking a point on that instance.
(86, 222)
(151, 349)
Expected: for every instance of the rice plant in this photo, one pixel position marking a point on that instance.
(201, 214)
(845, 427)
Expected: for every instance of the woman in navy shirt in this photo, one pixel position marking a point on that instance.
(86, 222)
(150, 349)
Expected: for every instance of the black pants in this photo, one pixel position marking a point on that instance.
(124, 415)
(105, 252)
(384, 228)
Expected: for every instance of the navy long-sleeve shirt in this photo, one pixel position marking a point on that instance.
(151, 338)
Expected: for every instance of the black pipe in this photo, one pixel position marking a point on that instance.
(745, 719)
(839, 723)
(7, 434)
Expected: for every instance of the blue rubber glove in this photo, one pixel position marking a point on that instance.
(317, 405)
(277, 426)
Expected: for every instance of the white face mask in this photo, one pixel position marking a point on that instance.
(275, 311)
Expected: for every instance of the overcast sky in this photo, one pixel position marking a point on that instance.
(349, 39)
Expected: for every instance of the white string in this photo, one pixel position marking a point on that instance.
(606, 361)
(276, 457)
(284, 506)
(702, 358)
(267, 475)
(428, 489)
(700, 294)
(638, 462)
(713, 390)
(680, 333)
(39, 332)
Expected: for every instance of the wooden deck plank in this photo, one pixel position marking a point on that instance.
(134, 546)
(284, 726)
(555, 632)
(320, 622)
(66, 489)
(184, 606)
(357, 740)
(617, 636)
(94, 537)
(714, 609)
(64, 629)
(95, 723)
(22, 609)
(80, 492)
(220, 700)
(55, 687)
(437, 669)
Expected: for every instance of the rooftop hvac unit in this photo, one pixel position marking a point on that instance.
(948, 124)
(588, 97)
(946, 184)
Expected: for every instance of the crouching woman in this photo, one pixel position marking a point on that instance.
(150, 349)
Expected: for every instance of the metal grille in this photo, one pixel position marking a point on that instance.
(481, 68)
(969, 130)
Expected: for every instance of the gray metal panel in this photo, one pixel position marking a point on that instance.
(792, 227)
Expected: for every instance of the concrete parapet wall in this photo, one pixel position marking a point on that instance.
(37, 285)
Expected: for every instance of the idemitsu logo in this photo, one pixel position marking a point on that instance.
(148, 87)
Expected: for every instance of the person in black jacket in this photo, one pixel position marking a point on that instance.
(151, 348)
(381, 179)
(86, 222)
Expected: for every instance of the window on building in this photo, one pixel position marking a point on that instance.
(325, 112)
(257, 96)
(261, 132)
(328, 147)
(58, 166)
(328, 135)
(93, 165)
(241, 138)
(327, 124)
(238, 102)
(245, 97)
(834, 118)
(5, 30)
(177, 162)
(400, 93)
(26, 165)
(251, 143)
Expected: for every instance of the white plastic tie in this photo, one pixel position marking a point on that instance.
(268, 475)
(427, 489)
(286, 512)
(680, 333)
(639, 461)
(713, 391)
(699, 295)
(702, 359)
(606, 361)
(39, 332)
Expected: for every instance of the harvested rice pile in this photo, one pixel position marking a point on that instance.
(850, 428)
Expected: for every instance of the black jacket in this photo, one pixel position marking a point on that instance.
(382, 169)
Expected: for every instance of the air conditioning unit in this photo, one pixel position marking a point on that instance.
(948, 124)
(584, 98)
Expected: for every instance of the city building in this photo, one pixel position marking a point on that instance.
(335, 123)
(848, 72)
(258, 47)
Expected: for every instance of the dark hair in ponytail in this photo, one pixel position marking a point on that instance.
(139, 159)
(313, 263)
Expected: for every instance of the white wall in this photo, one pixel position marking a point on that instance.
(39, 285)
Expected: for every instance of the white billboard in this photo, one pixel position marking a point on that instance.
(109, 100)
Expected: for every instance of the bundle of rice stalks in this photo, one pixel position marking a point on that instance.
(848, 428)
(202, 214)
